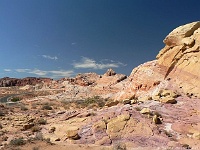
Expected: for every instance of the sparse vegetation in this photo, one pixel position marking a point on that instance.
(17, 142)
(42, 121)
(47, 107)
(15, 99)
(90, 102)
(100, 102)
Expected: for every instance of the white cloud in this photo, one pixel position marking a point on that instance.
(61, 73)
(44, 73)
(87, 63)
(22, 70)
(50, 57)
(7, 70)
(38, 72)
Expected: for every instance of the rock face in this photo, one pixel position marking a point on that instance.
(181, 58)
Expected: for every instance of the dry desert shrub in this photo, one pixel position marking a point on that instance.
(41, 121)
(47, 107)
(17, 142)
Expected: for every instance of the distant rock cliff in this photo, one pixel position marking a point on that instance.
(7, 82)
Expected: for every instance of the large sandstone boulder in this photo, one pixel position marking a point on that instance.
(181, 58)
(116, 125)
(72, 133)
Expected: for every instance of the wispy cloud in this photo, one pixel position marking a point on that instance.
(44, 73)
(22, 70)
(50, 57)
(7, 70)
(74, 43)
(62, 73)
(87, 63)
(38, 72)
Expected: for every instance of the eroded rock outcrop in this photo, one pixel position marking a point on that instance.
(181, 58)
(177, 66)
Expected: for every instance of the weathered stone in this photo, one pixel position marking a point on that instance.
(145, 111)
(168, 93)
(170, 100)
(115, 125)
(72, 133)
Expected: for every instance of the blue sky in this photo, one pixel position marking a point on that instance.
(60, 38)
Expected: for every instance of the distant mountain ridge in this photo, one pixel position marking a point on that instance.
(7, 82)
